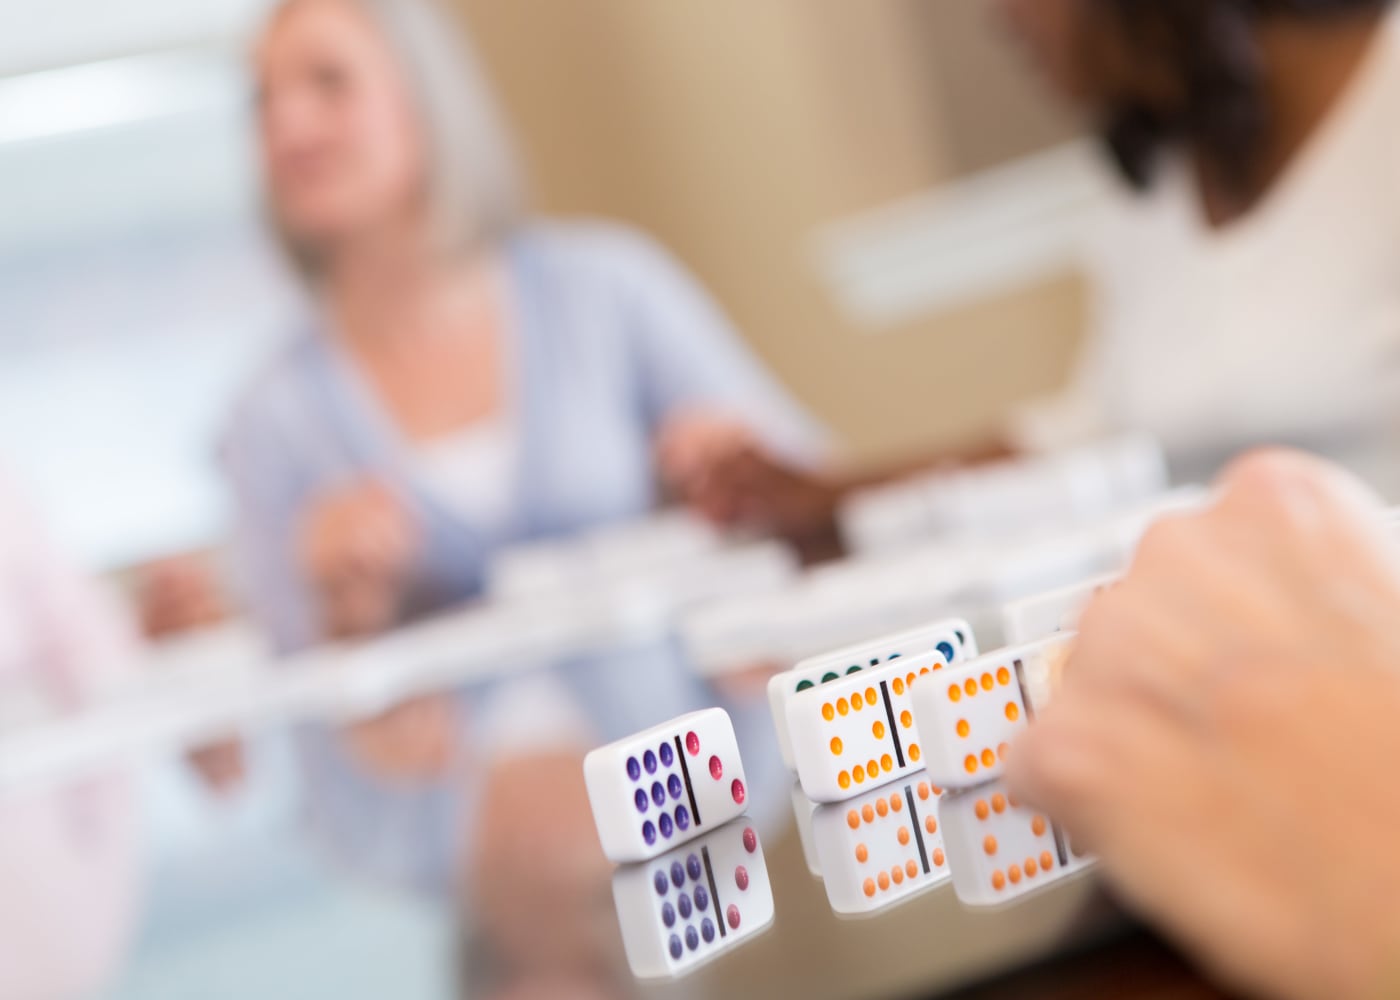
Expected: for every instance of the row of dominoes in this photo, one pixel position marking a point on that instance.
(874, 748)
(899, 747)
(875, 733)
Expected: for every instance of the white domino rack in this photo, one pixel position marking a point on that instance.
(849, 601)
(1048, 492)
(218, 684)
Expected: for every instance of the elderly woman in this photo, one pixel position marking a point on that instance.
(473, 379)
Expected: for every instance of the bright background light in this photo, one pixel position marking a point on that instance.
(137, 289)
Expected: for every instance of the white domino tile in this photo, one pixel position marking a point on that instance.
(1043, 615)
(881, 848)
(665, 786)
(952, 638)
(968, 718)
(1000, 851)
(858, 732)
(693, 903)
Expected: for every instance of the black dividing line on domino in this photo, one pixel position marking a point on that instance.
(714, 890)
(894, 727)
(1021, 686)
(1060, 848)
(918, 833)
(689, 789)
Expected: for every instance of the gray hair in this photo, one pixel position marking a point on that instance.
(475, 189)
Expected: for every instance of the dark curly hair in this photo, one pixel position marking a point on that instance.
(1210, 47)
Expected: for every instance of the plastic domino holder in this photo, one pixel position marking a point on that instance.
(666, 785)
(969, 717)
(694, 902)
(1000, 851)
(882, 847)
(952, 638)
(852, 734)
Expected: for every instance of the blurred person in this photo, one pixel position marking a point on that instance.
(1245, 283)
(1225, 733)
(474, 379)
(70, 857)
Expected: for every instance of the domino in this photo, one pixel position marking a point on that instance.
(1043, 615)
(1000, 851)
(857, 732)
(665, 786)
(881, 848)
(952, 638)
(968, 719)
(693, 903)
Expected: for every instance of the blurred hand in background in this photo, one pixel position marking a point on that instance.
(416, 742)
(174, 597)
(1225, 735)
(179, 595)
(718, 466)
(356, 547)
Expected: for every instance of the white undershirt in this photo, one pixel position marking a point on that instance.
(1284, 325)
(473, 473)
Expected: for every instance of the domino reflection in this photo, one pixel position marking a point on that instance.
(802, 810)
(690, 905)
(881, 848)
(999, 850)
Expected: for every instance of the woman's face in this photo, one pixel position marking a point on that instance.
(341, 148)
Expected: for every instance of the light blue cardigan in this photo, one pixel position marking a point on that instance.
(610, 337)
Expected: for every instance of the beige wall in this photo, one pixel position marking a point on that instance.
(732, 129)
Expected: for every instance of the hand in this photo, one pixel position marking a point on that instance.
(1225, 734)
(411, 743)
(689, 449)
(720, 468)
(541, 882)
(355, 547)
(221, 765)
(178, 595)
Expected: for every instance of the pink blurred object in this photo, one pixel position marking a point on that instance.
(69, 860)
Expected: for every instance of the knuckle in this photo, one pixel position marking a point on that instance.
(1164, 539)
(1284, 487)
(1267, 470)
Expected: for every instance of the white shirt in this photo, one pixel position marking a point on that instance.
(1283, 327)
